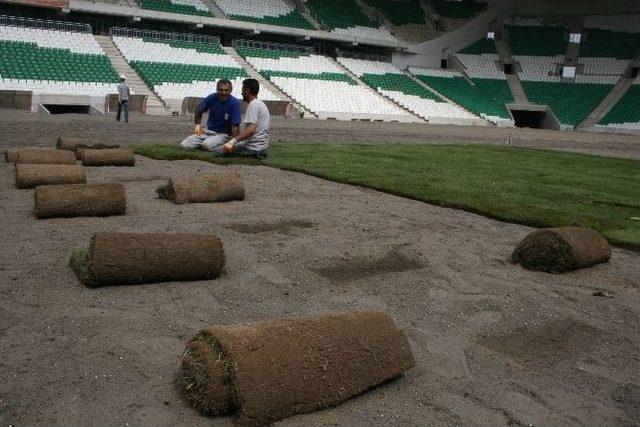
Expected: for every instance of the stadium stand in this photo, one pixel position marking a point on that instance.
(179, 69)
(320, 85)
(406, 19)
(610, 44)
(618, 23)
(625, 114)
(486, 97)
(458, 8)
(346, 18)
(187, 7)
(397, 86)
(48, 61)
(273, 12)
(538, 40)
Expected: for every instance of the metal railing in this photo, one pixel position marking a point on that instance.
(43, 24)
(162, 35)
(273, 46)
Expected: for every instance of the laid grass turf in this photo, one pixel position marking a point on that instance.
(540, 188)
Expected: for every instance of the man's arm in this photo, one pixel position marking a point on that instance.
(234, 131)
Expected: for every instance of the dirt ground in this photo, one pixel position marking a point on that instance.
(19, 128)
(494, 344)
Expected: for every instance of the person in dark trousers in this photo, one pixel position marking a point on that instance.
(225, 114)
(124, 92)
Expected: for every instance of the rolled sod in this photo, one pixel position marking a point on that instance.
(31, 176)
(108, 157)
(131, 258)
(41, 156)
(78, 145)
(267, 371)
(11, 155)
(556, 250)
(203, 188)
(54, 201)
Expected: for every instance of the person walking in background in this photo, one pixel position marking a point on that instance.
(124, 92)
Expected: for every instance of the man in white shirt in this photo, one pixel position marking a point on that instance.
(253, 140)
(123, 99)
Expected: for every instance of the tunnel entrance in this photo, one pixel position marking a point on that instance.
(533, 116)
(67, 109)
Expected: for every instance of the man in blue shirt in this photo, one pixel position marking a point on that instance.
(224, 119)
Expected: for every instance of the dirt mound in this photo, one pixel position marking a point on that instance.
(108, 157)
(366, 266)
(30, 176)
(556, 250)
(130, 258)
(80, 200)
(268, 371)
(282, 227)
(203, 188)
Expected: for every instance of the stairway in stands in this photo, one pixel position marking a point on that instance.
(608, 103)
(154, 104)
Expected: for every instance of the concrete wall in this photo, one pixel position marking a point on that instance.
(276, 108)
(137, 103)
(15, 99)
(429, 54)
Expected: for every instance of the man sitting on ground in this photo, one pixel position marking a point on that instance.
(224, 119)
(253, 141)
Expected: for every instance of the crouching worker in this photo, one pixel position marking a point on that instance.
(223, 123)
(253, 140)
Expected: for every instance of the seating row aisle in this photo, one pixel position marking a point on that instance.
(54, 62)
(178, 70)
(321, 86)
(403, 90)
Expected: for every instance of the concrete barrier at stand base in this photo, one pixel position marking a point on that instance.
(16, 99)
(137, 104)
(189, 106)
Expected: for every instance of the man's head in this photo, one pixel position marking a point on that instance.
(122, 78)
(250, 89)
(224, 89)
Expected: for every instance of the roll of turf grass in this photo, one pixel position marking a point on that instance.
(556, 250)
(31, 176)
(133, 258)
(267, 371)
(41, 156)
(54, 201)
(108, 157)
(77, 145)
(203, 188)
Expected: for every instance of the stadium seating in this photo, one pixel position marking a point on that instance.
(272, 12)
(320, 85)
(400, 12)
(540, 68)
(619, 23)
(345, 17)
(538, 40)
(177, 69)
(625, 114)
(486, 98)
(482, 46)
(188, 7)
(397, 86)
(604, 43)
(458, 8)
(571, 102)
(54, 62)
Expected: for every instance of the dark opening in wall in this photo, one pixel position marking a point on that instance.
(443, 63)
(508, 68)
(532, 119)
(67, 109)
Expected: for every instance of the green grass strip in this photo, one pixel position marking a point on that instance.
(540, 188)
